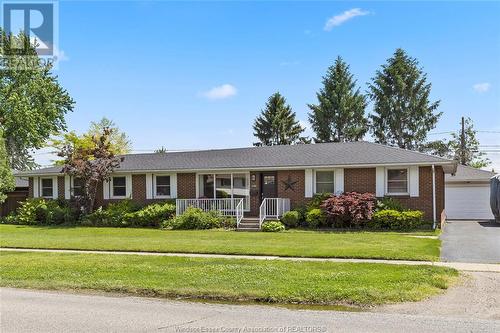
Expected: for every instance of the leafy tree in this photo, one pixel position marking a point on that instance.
(161, 150)
(277, 124)
(32, 102)
(339, 115)
(92, 164)
(403, 114)
(119, 143)
(6, 178)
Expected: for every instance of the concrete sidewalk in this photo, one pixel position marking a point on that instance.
(470, 267)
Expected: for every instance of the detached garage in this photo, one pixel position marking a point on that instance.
(467, 194)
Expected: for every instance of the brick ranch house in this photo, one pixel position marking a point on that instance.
(281, 177)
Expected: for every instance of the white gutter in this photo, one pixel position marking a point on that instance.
(434, 196)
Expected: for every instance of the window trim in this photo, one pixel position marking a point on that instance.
(112, 192)
(316, 183)
(155, 194)
(72, 187)
(407, 182)
(41, 188)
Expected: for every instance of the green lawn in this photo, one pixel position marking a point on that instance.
(377, 245)
(225, 279)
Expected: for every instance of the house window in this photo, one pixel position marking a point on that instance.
(119, 187)
(397, 181)
(230, 185)
(162, 186)
(325, 182)
(47, 187)
(77, 187)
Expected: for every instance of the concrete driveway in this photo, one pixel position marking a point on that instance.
(471, 241)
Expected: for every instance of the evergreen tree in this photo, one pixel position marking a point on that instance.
(403, 114)
(340, 113)
(276, 124)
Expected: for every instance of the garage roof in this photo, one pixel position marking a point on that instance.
(469, 174)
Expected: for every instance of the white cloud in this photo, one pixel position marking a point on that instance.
(337, 20)
(481, 87)
(221, 92)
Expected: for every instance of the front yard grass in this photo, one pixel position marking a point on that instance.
(225, 279)
(374, 245)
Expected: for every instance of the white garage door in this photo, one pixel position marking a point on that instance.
(468, 201)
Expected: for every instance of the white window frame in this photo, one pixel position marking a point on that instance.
(246, 207)
(155, 194)
(407, 181)
(112, 192)
(53, 188)
(315, 179)
(72, 188)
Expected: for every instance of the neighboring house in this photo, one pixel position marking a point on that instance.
(15, 197)
(292, 173)
(467, 194)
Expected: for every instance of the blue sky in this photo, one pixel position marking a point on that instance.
(191, 75)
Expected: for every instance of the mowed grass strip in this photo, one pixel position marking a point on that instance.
(374, 245)
(225, 279)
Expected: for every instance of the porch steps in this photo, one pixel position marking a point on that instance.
(249, 224)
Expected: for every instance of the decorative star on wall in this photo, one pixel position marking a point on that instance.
(289, 183)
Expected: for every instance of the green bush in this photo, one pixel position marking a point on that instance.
(390, 203)
(315, 218)
(40, 211)
(195, 218)
(273, 226)
(114, 215)
(228, 222)
(395, 220)
(150, 216)
(318, 200)
(291, 219)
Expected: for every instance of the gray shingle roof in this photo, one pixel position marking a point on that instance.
(465, 173)
(305, 155)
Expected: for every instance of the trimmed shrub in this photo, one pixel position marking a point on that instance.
(291, 219)
(113, 216)
(349, 209)
(315, 218)
(394, 220)
(273, 226)
(40, 211)
(390, 203)
(195, 218)
(150, 216)
(317, 200)
(228, 222)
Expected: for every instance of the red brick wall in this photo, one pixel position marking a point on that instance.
(186, 185)
(254, 193)
(297, 193)
(360, 180)
(60, 187)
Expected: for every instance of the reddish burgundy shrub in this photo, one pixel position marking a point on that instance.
(349, 209)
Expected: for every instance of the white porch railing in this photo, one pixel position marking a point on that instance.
(226, 206)
(273, 208)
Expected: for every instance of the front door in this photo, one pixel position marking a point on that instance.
(269, 185)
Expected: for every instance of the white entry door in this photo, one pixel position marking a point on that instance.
(468, 201)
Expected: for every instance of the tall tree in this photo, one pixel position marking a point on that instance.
(277, 124)
(118, 141)
(32, 102)
(403, 114)
(6, 178)
(92, 164)
(340, 113)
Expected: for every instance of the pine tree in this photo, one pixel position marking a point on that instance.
(403, 114)
(339, 115)
(277, 124)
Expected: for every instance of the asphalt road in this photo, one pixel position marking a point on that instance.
(36, 311)
(471, 241)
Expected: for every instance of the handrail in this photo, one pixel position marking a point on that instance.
(273, 208)
(239, 213)
(226, 206)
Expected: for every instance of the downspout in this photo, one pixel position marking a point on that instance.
(434, 196)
